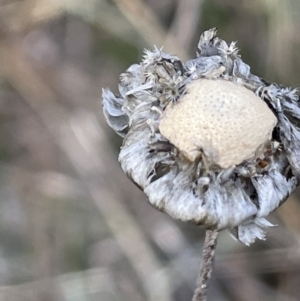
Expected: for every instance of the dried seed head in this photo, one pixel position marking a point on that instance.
(207, 141)
(224, 120)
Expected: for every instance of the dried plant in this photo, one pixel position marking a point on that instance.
(207, 141)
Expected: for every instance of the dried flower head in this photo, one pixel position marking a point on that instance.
(206, 140)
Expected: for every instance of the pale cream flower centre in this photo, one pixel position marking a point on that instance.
(225, 121)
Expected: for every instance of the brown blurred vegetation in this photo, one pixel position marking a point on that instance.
(72, 226)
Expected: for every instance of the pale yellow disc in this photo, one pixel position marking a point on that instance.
(224, 120)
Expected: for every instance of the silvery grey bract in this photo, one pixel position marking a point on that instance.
(237, 197)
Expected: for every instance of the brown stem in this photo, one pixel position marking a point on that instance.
(210, 244)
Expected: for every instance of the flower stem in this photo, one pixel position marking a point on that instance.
(210, 244)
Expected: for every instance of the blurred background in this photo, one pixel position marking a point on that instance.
(72, 226)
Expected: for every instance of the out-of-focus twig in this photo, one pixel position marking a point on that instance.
(239, 265)
(29, 14)
(185, 21)
(100, 279)
(67, 131)
(250, 288)
(281, 33)
(102, 14)
(148, 25)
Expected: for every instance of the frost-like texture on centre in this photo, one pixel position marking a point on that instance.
(242, 166)
(222, 120)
